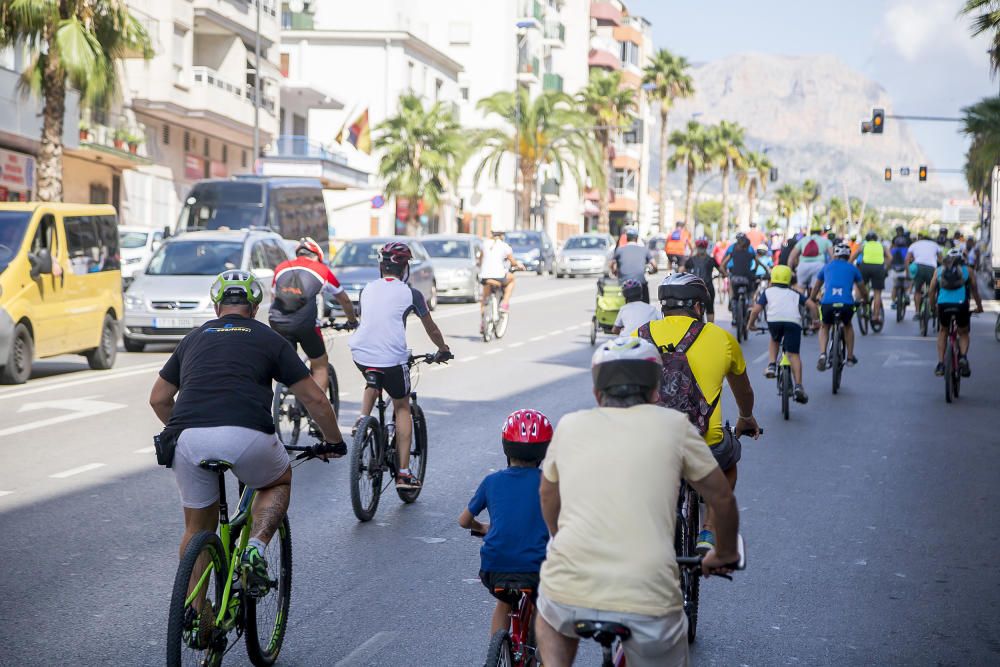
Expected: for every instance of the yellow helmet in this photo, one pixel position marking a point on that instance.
(781, 275)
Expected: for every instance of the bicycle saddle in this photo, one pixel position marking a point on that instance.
(216, 465)
(603, 632)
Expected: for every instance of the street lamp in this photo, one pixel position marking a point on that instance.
(522, 34)
(256, 91)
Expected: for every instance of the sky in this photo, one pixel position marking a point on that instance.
(920, 51)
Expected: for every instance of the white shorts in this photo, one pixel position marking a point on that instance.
(806, 272)
(257, 459)
(656, 641)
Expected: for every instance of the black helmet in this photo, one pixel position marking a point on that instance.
(871, 236)
(632, 289)
(683, 290)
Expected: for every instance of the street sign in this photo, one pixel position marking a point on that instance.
(378, 201)
(904, 171)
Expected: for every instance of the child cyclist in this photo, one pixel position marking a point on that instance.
(784, 322)
(635, 312)
(516, 537)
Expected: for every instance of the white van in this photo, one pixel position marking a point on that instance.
(137, 245)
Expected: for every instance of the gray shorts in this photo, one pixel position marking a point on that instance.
(728, 451)
(806, 272)
(257, 459)
(656, 641)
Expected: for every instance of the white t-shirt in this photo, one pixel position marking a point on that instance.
(495, 254)
(925, 252)
(782, 304)
(380, 341)
(633, 315)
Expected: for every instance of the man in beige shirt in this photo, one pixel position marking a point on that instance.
(609, 497)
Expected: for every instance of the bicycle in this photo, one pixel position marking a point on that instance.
(288, 412)
(899, 295)
(494, 319)
(739, 306)
(373, 451)
(952, 372)
(210, 598)
(786, 387)
(925, 315)
(836, 353)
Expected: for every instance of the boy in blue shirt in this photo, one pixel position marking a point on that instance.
(837, 280)
(516, 537)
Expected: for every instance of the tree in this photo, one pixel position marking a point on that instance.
(548, 130)
(986, 19)
(753, 175)
(666, 79)
(609, 105)
(981, 122)
(788, 198)
(810, 194)
(71, 42)
(422, 154)
(708, 213)
(727, 153)
(692, 150)
(836, 213)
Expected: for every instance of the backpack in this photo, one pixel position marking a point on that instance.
(952, 277)
(676, 235)
(811, 248)
(290, 293)
(678, 388)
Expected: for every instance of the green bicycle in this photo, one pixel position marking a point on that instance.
(785, 385)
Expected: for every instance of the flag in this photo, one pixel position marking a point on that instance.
(358, 133)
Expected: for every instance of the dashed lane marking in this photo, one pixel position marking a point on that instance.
(363, 654)
(76, 471)
(518, 344)
(101, 376)
(5, 493)
(536, 338)
(467, 359)
(496, 350)
(145, 450)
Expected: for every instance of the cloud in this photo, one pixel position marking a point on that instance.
(914, 27)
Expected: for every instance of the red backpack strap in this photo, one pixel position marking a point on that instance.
(690, 336)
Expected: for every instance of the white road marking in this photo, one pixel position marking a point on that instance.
(99, 376)
(145, 450)
(518, 344)
(536, 339)
(78, 409)
(903, 358)
(362, 655)
(496, 350)
(466, 359)
(5, 493)
(76, 471)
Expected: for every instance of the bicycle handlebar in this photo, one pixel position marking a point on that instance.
(330, 324)
(435, 358)
(318, 450)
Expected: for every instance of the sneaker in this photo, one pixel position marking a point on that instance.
(254, 569)
(772, 370)
(406, 480)
(963, 366)
(800, 395)
(821, 363)
(852, 361)
(505, 307)
(939, 370)
(198, 627)
(706, 542)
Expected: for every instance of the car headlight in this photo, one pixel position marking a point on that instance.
(133, 300)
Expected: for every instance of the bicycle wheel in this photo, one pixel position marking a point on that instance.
(593, 330)
(863, 314)
(502, 319)
(287, 415)
(785, 382)
(366, 469)
(996, 329)
(879, 323)
(836, 360)
(486, 321)
(956, 374)
(900, 299)
(267, 617)
(500, 652)
(418, 453)
(205, 550)
(691, 580)
(333, 389)
(924, 316)
(738, 319)
(948, 371)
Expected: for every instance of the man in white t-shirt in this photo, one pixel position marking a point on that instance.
(609, 489)
(495, 272)
(635, 312)
(925, 255)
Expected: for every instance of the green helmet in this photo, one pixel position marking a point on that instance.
(240, 284)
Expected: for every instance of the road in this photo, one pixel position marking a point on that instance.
(869, 517)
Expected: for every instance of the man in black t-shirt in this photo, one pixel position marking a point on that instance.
(632, 260)
(704, 266)
(224, 371)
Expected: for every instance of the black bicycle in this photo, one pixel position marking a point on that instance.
(836, 352)
(786, 386)
(740, 306)
(373, 452)
(899, 294)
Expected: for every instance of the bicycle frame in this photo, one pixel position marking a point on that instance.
(519, 625)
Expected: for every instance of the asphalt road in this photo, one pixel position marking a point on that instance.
(870, 517)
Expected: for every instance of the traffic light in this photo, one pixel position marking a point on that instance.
(922, 173)
(878, 120)
(773, 176)
(888, 174)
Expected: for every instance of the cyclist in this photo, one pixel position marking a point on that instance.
(741, 264)
(764, 262)
(950, 289)
(609, 490)
(898, 249)
(293, 314)
(704, 265)
(839, 277)
(635, 312)
(632, 260)
(224, 372)
(516, 536)
(678, 245)
(872, 262)
(756, 236)
(922, 258)
(942, 239)
(784, 323)
(712, 356)
(809, 256)
(498, 258)
(380, 344)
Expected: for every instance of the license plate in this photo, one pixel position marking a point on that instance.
(173, 323)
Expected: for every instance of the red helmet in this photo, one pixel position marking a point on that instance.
(701, 243)
(526, 435)
(396, 252)
(308, 245)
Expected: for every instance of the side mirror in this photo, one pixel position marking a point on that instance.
(41, 262)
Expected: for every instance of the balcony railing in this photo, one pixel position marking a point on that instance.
(625, 193)
(533, 9)
(529, 66)
(292, 146)
(297, 21)
(206, 76)
(552, 82)
(266, 101)
(555, 33)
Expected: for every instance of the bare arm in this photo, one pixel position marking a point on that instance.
(816, 289)
(718, 494)
(974, 288)
(793, 258)
(318, 405)
(161, 399)
(743, 393)
(469, 522)
(434, 333)
(348, 306)
(754, 314)
(551, 503)
(513, 262)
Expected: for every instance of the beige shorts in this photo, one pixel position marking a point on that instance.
(656, 641)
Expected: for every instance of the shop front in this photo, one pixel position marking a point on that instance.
(17, 176)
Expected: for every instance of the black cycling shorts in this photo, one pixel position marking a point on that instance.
(309, 337)
(510, 584)
(395, 379)
(790, 332)
(874, 274)
(832, 311)
(961, 312)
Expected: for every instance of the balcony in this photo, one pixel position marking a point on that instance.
(625, 200)
(555, 34)
(604, 53)
(528, 70)
(238, 17)
(121, 146)
(606, 13)
(297, 20)
(298, 156)
(553, 82)
(531, 12)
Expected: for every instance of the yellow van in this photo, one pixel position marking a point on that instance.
(60, 285)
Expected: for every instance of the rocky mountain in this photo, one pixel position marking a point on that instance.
(807, 112)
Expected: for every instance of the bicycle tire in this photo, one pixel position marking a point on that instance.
(500, 327)
(692, 584)
(900, 299)
(210, 544)
(279, 561)
(957, 377)
(333, 388)
(863, 314)
(878, 324)
(418, 453)
(593, 331)
(835, 357)
(486, 320)
(924, 316)
(996, 329)
(500, 652)
(284, 404)
(366, 469)
(786, 388)
(948, 372)
(738, 317)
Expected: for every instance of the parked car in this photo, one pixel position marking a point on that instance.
(60, 285)
(137, 246)
(657, 244)
(170, 298)
(456, 259)
(584, 254)
(533, 249)
(356, 265)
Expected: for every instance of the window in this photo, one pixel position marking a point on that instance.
(92, 242)
(45, 236)
(178, 51)
(624, 179)
(206, 150)
(275, 254)
(166, 135)
(629, 53)
(98, 193)
(464, 90)
(187, 141)
(437, 89)
(258, 258)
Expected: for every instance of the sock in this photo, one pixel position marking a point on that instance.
(404, 471)
(257, 544)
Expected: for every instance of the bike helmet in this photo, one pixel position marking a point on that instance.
(236, 287)
(526, 435)
(632, 289)
(763, 249)
(742, 238)
(871, 236)
(701, 243)
(395, 252)
(682, 290)
(955, 254)
(842, 250)
(626, 366)
(631, 233)
(306, 244)
(781, 275)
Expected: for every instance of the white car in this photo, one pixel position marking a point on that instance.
(137, 245)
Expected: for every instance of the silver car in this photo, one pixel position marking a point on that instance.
(170, 298)
(584, 254)
(456, 259)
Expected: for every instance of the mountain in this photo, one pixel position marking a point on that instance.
(807, 112)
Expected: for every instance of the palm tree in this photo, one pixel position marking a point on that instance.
(422, 153)
(609, 105)
(811, 193)
(546, 130)
(986, 19)
(788, 198)
(666, 79)
(727, 153)
(753, 175)
(692, 150)
(981, 122)
(71, 42)
(836, 212)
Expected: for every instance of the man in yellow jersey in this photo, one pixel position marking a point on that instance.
(697, 357)
(874, 266)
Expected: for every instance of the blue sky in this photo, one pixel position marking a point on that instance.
(918, 50)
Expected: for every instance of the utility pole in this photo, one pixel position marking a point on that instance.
(256, 91)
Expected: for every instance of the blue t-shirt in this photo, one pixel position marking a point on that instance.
(518, 535)
(952, 296)
(763, 263)
(838, 279)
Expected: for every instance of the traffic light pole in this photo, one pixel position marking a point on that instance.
(942, 119)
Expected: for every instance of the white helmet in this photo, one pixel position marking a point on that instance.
(842, 250)
(954, 253)
(625, 366)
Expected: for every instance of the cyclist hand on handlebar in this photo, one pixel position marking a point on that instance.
(712, 564)
(443, 355)
(748, 426)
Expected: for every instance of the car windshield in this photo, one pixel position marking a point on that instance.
(12, 227)
(358, 253)
(444, 249)
(228, 205)
(522, 240)
(586, 243)
(132, 239)
(196, 258)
